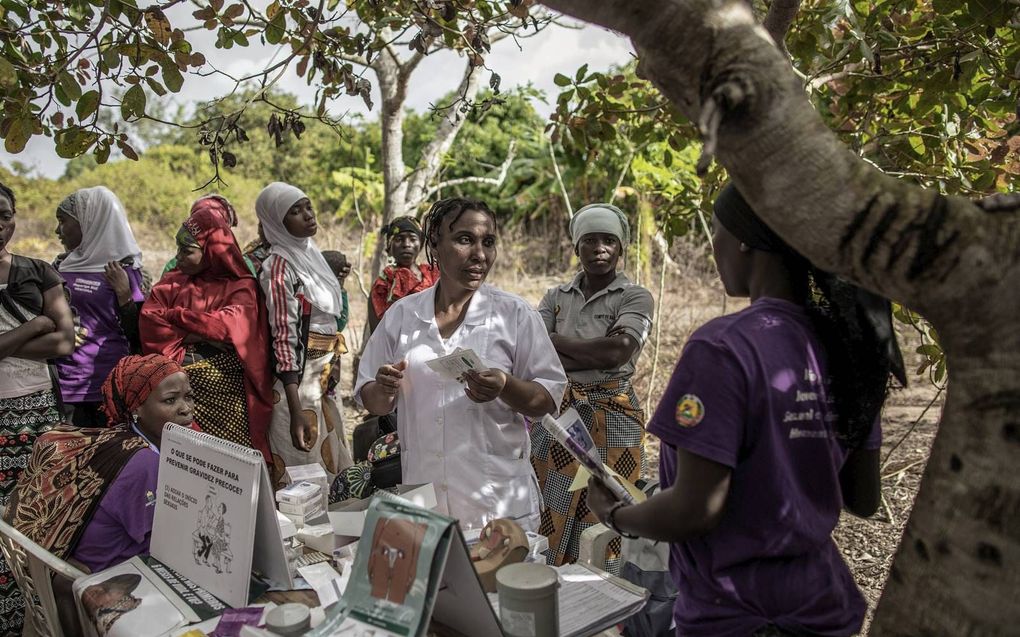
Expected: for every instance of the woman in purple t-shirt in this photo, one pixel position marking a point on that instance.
(103, 273)
(769, 427)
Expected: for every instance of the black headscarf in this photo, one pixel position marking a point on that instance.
(403, 224)
(854, 324)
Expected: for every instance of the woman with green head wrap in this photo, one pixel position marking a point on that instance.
(598, 322)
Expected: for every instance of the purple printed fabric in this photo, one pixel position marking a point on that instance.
(122, 523)
(83, 372)
(750, 392)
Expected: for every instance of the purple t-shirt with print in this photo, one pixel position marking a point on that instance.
(749, 392)
(122, 523)
(82, 373)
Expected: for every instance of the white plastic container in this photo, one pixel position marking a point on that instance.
(528, 600)
(289, 620)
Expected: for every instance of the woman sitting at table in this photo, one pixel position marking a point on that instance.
(469, 438)
(89, 494)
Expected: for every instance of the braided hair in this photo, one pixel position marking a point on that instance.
(7, 192)
(452, 208)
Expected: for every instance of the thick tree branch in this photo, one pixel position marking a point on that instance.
(956, 263)
(446, 133)
(778, 20)
(496, 181)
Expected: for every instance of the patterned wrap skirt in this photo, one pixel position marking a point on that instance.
(330, 447)
(221, 406)
(615, 420)
(22, 419)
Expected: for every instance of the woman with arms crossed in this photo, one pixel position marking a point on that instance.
(468, 439)
(598, 323)
(35, 325)
(769, 428)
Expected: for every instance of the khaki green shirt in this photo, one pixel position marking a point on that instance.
(622, 306)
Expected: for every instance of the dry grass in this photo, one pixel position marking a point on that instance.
(691, 295)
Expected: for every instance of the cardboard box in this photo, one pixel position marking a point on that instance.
(348, 517)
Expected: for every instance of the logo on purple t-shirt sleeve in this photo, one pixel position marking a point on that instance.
(689, 410)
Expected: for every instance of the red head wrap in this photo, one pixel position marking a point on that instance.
(130, 383)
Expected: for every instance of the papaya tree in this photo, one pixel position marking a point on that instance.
(951, 258)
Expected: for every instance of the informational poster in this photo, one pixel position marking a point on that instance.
(213, 506)
(140, 597)
(410, 561)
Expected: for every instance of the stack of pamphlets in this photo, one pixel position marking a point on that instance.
(570, 431)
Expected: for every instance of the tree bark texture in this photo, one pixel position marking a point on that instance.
(957, 570)
(405, 190)
(393, 90)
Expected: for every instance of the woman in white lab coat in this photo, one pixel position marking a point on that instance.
(467, 438)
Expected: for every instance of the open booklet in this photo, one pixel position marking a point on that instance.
(412, 565)
(142, 596)
(570, 431)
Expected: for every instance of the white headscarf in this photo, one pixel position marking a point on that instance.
(600, 217)
(321, 287)
(105, 232)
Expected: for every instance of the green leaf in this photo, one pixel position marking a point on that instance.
(155, 86)
(561, 80)
(74, 141)
(581, 73)
(276, 28)
(158, 24)
(87, 105)
(172, 78)
(916, 144)
(8, 75)
(18, 134)
(70, 85)
(133, 103)
(102, 153)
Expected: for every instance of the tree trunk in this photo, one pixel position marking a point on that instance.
(956, 571)
(432, 155)
(393, 87)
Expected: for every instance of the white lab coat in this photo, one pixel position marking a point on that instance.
(476, 455)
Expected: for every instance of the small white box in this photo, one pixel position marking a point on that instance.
(348, 517)
(300, 520)
(306, 509)
(298, 493)
(287, 528)
(321, 538)
(313, 473)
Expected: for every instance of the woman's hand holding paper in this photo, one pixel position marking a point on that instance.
(485, 385)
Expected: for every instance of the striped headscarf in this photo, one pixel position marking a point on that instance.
(130, 383)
